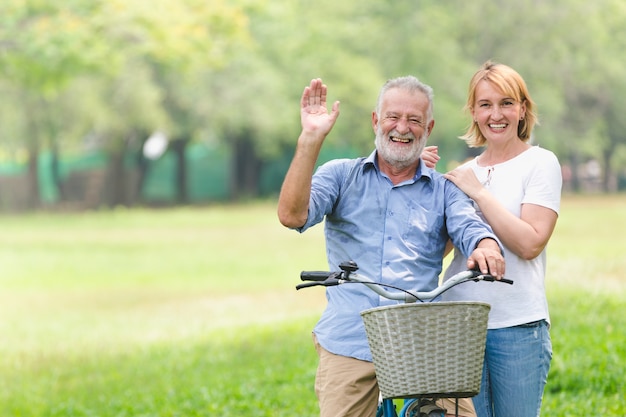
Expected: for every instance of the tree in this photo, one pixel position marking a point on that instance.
(45, 47)
(231, 72)
(42, 47)
(180, 40)
(254, 106)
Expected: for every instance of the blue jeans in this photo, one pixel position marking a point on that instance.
(517, 360)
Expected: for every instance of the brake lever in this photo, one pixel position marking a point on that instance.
(330, 282)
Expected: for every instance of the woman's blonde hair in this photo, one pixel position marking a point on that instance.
(510, 83)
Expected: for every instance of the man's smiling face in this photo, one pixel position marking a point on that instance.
(402, 127)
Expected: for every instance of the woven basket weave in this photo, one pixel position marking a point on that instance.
(430, 349)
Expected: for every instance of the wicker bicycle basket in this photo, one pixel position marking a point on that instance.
(428, 349)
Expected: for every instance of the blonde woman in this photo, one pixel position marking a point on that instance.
(516, 188)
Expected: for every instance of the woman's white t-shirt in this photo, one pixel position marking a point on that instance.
(532, 177)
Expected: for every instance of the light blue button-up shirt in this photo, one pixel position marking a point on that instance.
(395, 233)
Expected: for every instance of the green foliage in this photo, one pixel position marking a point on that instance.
(108, 52)
(232, 72)
(45, 45)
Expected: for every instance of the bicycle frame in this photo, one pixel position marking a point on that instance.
(387, 408)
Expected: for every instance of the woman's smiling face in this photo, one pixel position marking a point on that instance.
(497, 114)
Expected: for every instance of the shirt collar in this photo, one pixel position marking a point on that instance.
(422, 169)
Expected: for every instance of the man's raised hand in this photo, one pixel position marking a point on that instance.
(314, 114)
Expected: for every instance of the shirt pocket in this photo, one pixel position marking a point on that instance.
(425, 232)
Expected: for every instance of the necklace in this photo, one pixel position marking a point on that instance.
(490, 170)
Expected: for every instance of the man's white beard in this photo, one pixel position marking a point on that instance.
(399, 156)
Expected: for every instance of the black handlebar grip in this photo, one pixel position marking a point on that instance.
(315, 275)
(491, 278)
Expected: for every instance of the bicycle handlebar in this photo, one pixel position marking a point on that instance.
(348, 275)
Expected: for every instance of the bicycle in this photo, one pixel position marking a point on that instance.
(450, 368)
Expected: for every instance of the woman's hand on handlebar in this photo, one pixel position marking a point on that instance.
(488, 258)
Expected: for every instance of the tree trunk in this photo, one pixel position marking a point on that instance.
(179, 146)
(116, 189)
(246, 167)
(55, 173)
(607, 173)
(575, 165)
(143, 169)
(34, 198)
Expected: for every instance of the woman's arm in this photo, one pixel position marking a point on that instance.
(527, 235)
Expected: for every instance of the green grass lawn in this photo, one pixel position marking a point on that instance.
(192, 312)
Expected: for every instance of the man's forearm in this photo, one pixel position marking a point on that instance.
(293, 201)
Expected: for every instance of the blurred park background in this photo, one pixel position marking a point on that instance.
(169, 102)
(111, 107)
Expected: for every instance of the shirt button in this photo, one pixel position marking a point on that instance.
(389, 238)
